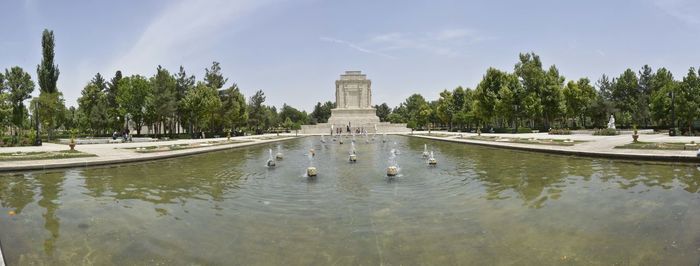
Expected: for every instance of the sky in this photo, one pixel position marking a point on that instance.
(295, 50)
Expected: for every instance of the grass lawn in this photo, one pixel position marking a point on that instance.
(656, 146)
(184, 146)
(556, 142)
(43, 155)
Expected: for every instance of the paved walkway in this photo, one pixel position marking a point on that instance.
(594, 146)
(115, 153)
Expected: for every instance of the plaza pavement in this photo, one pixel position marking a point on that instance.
(115, 153)
(594, 146)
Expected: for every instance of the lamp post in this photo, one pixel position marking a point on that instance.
(37, 140)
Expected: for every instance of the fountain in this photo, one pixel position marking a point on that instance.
(393, 169)
(384, 138)
(311, 171)
(431, 160)
(279, 155)
(323, 139)
(425, 151)
(353, 155)
(270, 160)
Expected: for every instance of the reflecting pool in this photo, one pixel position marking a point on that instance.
(479, 206)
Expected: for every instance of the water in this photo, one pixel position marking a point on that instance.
(479, 206)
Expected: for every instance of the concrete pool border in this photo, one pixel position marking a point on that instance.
(20, 166)
(670, 156)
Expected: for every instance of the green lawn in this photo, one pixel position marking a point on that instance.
(655, 146)
(43, 155)
(556, 142)
(184, 146)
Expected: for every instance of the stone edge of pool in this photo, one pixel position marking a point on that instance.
(101, 161)
(580, 153)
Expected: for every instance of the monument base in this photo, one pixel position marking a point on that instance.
(353, 117)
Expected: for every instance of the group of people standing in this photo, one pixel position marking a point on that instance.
(348, 129)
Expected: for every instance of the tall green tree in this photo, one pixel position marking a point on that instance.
(234, 109)
(93, 103)
(662, 86)
(5, 106)
(213, 76)
(688, 99)
(383, 111)
(184, 84)
(322, 112)
(133, 97)
(50, 100)
(204, 103)
(115, 121)
(257, 113)
(625, 94)
(164, 102)
(19, 85)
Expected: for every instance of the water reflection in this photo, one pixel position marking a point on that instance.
(491, 206)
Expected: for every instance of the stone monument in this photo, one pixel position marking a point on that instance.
(611, 122)
(354, 111)
(353, 94)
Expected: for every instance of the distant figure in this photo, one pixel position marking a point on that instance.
(611, 123)
(114, 135)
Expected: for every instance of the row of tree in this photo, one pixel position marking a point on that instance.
(536, 97)
(17, 86)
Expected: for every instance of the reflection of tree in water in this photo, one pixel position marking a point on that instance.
(169, 181)
(16, 191)
(629, 175)
(51, 186)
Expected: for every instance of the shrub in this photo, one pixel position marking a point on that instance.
(559, 131)
(524, 130)
(605, 132)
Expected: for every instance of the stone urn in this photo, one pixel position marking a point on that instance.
(635, 136)
(71, 145)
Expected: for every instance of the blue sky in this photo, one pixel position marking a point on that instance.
(294, 50)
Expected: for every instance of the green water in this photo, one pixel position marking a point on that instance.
(480, 206)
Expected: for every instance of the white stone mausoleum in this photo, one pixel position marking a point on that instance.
(353, 101)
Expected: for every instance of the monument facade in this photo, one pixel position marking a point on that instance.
(353, 101)
(354, 110)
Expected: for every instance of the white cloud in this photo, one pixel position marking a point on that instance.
(182, 28)
(684, 10)
(355, 46)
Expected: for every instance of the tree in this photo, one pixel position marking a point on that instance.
(213, 76)
(234, 111)
(294, 114)
(93, 103)
(551, 96)
(112, 89)
(534, 81)
(132, 97)
(487, 95)
(164, 100)
(383, 111)
(5, 106)
(19, 85)
(646, 76)
(625, 94)
(688, 99)
(47, 74)
(446, 108)
(183, 85)
(661, 87)
(257, 111)
(204, 103)
(322, 112)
